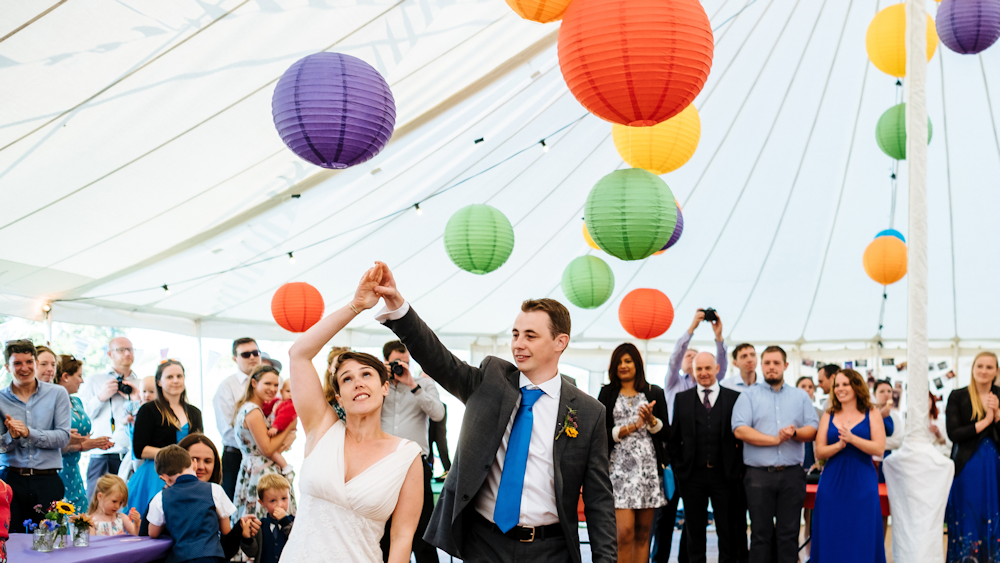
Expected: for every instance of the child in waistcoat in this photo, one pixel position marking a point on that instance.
(269, 541)
(193, 512)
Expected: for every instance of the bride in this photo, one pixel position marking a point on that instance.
(355, 476)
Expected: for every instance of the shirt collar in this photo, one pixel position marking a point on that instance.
(714, 388)
(552, 387)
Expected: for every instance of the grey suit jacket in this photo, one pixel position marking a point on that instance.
(490, 393)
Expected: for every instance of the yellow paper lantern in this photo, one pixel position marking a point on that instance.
(885, 260)
(886, 40)
(662, 148)
(588, 238)
(541, 11)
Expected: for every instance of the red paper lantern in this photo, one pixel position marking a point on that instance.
(646, 313)
(296, 306)
(635, 62)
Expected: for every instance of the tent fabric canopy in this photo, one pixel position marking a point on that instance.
(137, 150)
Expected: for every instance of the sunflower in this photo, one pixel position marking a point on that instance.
(63, 507)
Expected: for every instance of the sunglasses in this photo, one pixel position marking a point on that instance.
(246, 355)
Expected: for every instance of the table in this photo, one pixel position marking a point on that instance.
(883, 497)
(103, 549)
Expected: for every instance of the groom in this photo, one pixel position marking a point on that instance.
(530, 441)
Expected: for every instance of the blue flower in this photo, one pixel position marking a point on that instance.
(29, 525)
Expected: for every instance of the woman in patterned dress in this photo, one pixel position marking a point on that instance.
(637, 438)
(69, 374)
(261, 453)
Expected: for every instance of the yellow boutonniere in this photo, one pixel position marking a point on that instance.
(569, 425)
(572, 432)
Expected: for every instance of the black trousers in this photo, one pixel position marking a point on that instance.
(29, 491)
(775, 499)
(484, 543)
(663, 531)
(437, 433)
(231, 460)
(424, 552)
(739, 520)
(704, 484)
(99, 466)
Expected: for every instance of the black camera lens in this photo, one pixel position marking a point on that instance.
(396, 368)
(124, 387)
(710, 314)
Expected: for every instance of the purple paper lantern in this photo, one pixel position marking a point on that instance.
(678, 229)
(968, 26)
(333, 110)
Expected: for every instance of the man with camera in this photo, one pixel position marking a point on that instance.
(104, 396)
(406, 412)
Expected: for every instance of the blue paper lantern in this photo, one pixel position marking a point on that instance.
(891, 233)
(333, 110)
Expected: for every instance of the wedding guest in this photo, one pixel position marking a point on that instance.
(805, 383)
(110, 495)
(273, 491)
(246, 354)
(939, 436)
(882, 394)
(70, 376)
(973, 512)
(45, 366)
(847, 500)
(6, 497)
(636, 416)
(160, 423)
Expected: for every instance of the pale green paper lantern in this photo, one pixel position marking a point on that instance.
(890, 132)
(631, 213)
(479, 238)
(588, 282)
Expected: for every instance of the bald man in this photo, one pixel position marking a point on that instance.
(104, 396)
(708, 461)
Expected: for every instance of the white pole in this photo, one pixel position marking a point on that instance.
(201, 367)
(918, 478)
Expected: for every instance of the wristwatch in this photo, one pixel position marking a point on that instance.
(414, 390)
(795, 433)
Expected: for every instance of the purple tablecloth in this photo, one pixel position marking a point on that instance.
(103, 549)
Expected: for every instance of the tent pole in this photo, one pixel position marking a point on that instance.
(918, 478)
(201, 366)
(48, 326)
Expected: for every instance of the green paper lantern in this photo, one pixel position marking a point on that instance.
(631, 213)
(890, 132)
(479, 239)
(588, 282)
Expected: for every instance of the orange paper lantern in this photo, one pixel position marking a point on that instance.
(885, 260)
(541, 11)
(296, 306)
(646, 313)
(635, 63)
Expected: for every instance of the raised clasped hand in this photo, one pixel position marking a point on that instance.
(365, 296)
(846, 436)
(646, 416)
(786, 433)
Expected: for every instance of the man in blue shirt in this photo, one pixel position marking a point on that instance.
(36, 429)
(774, 421)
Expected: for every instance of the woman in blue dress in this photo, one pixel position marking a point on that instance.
(161, 422)
(69, 374)
(973, 423)
(847, 502)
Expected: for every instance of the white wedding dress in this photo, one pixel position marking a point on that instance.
(338, 521)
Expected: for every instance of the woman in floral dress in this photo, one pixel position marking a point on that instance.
(261, 453)
(69, 374)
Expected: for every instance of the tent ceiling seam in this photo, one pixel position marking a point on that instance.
(32, 20)
(951, 212)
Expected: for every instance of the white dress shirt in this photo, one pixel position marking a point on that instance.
(230, 390)
(101, 412)
(711, 396)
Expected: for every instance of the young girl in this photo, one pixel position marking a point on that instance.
(110, 496)
(284, 411)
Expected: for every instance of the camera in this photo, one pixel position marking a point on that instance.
(710, 314)
(124, 387)
(396, 368)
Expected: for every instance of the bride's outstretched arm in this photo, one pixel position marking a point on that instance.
(307, 392)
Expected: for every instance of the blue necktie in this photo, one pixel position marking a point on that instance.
(508, 508)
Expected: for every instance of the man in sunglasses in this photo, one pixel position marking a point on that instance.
(104, 396)
(246, 354)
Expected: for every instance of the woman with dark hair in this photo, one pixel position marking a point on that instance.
(637, 438)
(69, 374)
(162, 422)
(892, 421)
(938, 428)
(847, 501)
(973, 419)
(261, 452)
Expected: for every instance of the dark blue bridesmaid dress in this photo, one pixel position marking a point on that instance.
(847, 505)
(973, 513)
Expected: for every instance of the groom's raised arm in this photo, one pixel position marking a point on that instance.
(457, 377)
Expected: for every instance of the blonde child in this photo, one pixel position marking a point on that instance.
(111, 493)
(284, 411)
(266, 545)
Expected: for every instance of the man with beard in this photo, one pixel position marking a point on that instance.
(774, 421)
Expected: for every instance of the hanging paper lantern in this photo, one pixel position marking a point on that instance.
(662, 148)
(588, 238)
(296, 306)
(636, 63)
(541, 11)
(885, 260)
(968, 26)
(891, 233)
(678, 229)
(886, 40)
(333, 110)
(646, 313)
(630, 213)
(588, 282)
(890, 132)
(479, 238)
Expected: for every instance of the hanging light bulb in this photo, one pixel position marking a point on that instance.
(46, 308)
(291, 258)
(166, 289)
(419, 211)
(545, 148)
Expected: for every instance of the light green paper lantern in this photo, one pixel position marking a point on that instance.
(630, 213)
(479, 238)
(890, 132)
(588, 282)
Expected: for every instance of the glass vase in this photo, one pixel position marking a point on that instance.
(36, 539)
(43, 540)
(61, 540)
(81, 536)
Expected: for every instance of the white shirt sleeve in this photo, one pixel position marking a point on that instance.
(223, 404)
(616, 434)
(657, 428)
(154, 515)
(223, 505)
(386, 315)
